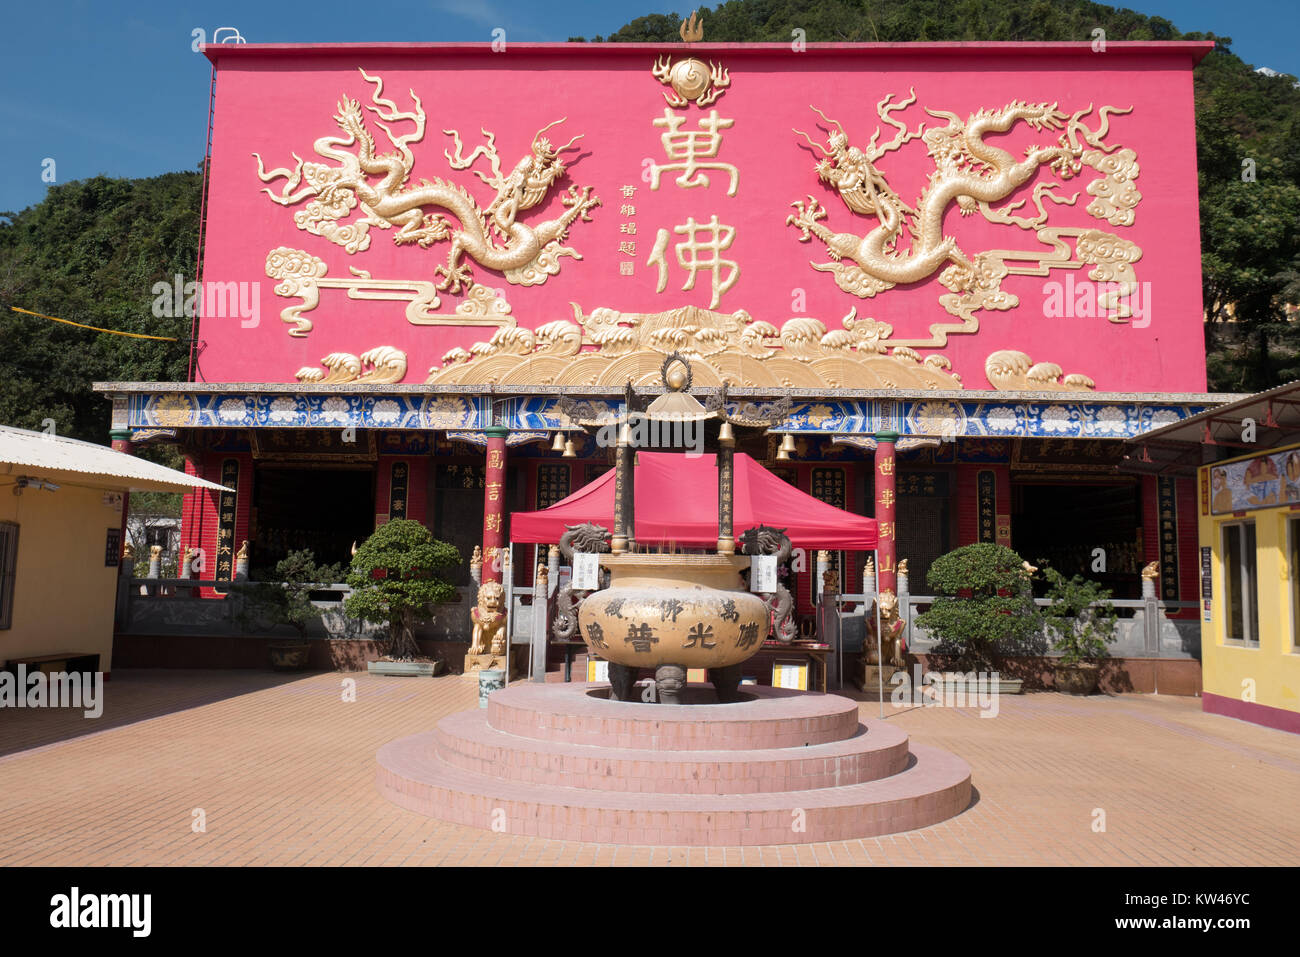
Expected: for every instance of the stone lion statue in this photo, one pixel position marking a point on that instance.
(891, 626)
(489, 621)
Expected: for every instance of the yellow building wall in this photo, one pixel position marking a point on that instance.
(64, 595)
(1270, 674)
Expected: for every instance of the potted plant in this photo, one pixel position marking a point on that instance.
(1082, 623)
(287, 601)
(983, 600)
(394, 579)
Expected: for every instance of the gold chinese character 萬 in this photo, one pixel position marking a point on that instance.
(687, 148)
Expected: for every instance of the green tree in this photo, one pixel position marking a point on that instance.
(287, 599)
(394, 579)
(1080, 618)
(983, 602)
(91, 252)
(1249, 180)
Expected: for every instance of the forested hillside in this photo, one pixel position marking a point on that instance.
(91, 253)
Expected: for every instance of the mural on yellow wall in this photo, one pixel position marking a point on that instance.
(1259, 482)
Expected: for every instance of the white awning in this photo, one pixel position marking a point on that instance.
(43, 456)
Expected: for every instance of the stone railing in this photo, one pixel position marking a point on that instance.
(1143, 628)
(169, 606)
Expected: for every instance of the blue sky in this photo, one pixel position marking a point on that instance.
(106, 87)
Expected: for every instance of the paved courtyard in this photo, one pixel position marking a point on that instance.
(282, 768)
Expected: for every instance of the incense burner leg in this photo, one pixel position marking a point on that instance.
(669, 682)
(726, 682)
(621, 680)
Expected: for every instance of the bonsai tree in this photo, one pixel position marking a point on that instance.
(983, 600)
(1081, 619)
(395, 577)
(286, 600)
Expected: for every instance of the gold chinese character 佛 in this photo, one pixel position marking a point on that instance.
(701, 251)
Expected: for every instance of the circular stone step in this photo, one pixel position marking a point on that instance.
(936, 786)
(466, 741)
(771, 718)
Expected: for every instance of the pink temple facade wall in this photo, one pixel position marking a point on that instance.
(279, 103)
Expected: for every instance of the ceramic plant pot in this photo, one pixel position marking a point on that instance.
(1080, 679)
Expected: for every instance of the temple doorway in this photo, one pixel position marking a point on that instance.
(324, 510)
(1066, 524)
(923, 523)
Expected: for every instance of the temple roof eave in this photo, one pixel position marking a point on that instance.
(611, 392)
(934, 414)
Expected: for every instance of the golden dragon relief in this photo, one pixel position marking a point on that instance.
(909, 245)
(375, 186)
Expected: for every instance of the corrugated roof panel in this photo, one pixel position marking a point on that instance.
(39, 450)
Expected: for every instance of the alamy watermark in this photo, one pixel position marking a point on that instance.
(973, 689)
(647, 433)
(76, 909)
(209, 300)
(1085, 299)
(58, 689)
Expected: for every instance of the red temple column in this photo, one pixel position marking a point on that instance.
(886, 505)
(494, 503)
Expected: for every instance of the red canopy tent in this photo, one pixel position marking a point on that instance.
(677, 501)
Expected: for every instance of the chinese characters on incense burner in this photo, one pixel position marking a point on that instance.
(673, 612)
